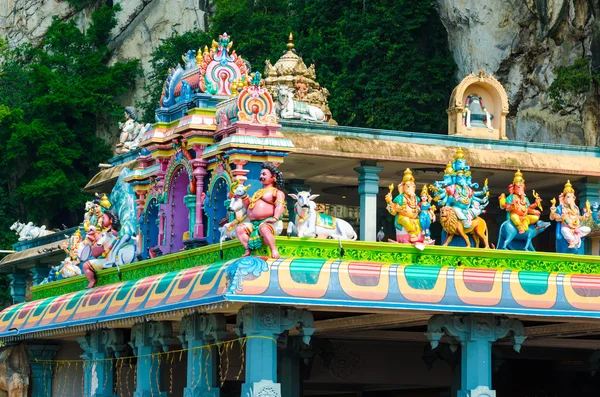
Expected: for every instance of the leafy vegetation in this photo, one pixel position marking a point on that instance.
(574, 79)
(385, 62)
(51, 100)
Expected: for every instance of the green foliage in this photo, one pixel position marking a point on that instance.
(51, 99)
(574, 79)
(385, 62)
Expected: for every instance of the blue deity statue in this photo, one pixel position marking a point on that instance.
(460, 203)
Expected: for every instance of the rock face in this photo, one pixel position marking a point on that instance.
(141, 25)
(521, 42)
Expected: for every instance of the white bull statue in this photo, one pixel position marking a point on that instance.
(236, 208)
(310, 223)
(289, 108)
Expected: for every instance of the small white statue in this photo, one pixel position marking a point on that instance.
(28, 231)
(292, 109)
(131, 132)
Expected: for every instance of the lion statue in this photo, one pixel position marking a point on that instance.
(453, 226)
(14, 371)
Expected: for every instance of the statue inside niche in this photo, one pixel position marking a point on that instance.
(476, 114)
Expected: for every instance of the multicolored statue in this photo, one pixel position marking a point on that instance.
(265, 210)
(406, 208)
(131, 132)
(426, 214)
(523, 219)
(460, 204)
(569, 229)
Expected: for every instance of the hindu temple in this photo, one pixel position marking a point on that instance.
(245, 244)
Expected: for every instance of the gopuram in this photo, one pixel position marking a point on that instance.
(245, 245)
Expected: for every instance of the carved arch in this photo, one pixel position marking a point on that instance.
(456, 99)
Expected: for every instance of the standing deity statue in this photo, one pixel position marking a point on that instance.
(99, 252)
(264, 211)
(406, 207)
(569, 229)
(460, 204)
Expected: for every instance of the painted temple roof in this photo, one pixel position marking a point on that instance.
(402, 282)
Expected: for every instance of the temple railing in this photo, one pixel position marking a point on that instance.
(330, 249)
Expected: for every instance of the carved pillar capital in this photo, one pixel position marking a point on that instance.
(157, 334)
(254, 319)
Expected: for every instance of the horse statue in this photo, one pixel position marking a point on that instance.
(292, 109)
(14, 371)
(453, 226)
(310, 223)
(29, 231)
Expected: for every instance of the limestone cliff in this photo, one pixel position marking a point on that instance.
(522, 42)
(141, 25)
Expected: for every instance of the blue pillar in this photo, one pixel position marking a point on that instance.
(38, 274)
(294, 186)
(41, 372)
(263, 324)
(100, 347)
(201, 330)
(368, 187)
(475, 333)
(18, 286)
(148, 339)
(190, 203)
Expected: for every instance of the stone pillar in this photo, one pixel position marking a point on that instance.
(294, 186)
(200, 330)
(199, 172)
(18, 286)
(148, 339)
(41, 372)
(190, 203)
(290, 365)
(263, 324)
(475, 333)
(99, 347)
(368, 187)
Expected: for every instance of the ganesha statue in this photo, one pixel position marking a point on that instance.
(460, 204)
(570, 229)
(523, 217)
(131, 132)
(412, 215)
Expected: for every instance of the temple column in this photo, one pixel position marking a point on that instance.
(99, 347)
(294, 186)
(239, 172)
(475, 333)
(41, 372)
(263, 324)
(196, 331)
(147, 340)
(18, 283)
(38, 274)
(290, 365)
(199, 172)
(368, 187)
(190, 203)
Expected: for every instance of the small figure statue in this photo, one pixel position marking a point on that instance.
(28, 231)
(475, 113)
(131, 132)
(405, 208)
(110, 226)
(426, 214)
(94, 215)
(523, 219)
(460, 204)
(265, 210)
(569, 230)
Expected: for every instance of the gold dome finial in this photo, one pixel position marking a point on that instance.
(459, 154)
(449, 170)
(568, 188)
(518, 177)
(104, 202)
(408, 176)
(290, 44)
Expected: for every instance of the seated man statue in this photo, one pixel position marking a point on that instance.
(264, 210)
(567, 213)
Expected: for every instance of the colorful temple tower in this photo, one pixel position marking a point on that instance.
(242, 245)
